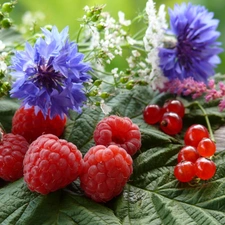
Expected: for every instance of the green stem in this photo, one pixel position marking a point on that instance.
(79, 32)
(207, 121)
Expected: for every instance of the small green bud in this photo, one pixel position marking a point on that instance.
(104, 95)
(6, 23)
(97, 83)
(6, 86)
(93, 93)
(128, 71)
(130, 85)
(1, 16)
(1, 75)
(97, 103)
(124, 80)
(100, 27)
(7, 7)
(142, 83)
(89, 14)
(95, 18)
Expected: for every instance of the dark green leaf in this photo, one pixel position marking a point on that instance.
(7, 110)
(20, 206)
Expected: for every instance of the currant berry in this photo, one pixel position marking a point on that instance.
(195, 134)
(184, 171)
(171, 123)
(175, 106)
(206, 147)
(152, 114)
(188, 153)
(205, 168)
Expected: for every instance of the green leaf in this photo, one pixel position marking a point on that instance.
(7, 110)
(20, 206)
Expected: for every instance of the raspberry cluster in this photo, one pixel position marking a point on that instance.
(49, 163)
(194, 159)
(169, 116)
(108, 165)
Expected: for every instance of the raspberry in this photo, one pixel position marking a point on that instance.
(12, 150)
(26, 123)
(51, 163)
(120, 131)
(106, 171)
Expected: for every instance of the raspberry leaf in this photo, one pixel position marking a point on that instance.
(7, 110)
(20, 206)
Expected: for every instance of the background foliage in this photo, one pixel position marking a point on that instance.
(67, 12)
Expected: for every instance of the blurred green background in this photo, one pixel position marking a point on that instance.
(67, 12)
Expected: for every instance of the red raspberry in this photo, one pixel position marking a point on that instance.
(51, 163)
(26, 123)
(106, 171)
(12, 150)
(120, 131)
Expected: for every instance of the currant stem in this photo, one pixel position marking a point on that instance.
(207, 121)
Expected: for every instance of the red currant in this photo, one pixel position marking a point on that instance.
(205, 168)
(171, 123)
(194, 134)
(152, 114)
(206, 147)
(184, 171)
(188, 153)
(175, 106)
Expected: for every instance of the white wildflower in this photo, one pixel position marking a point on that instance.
(131, 41)
(115, 72)
(2, 45)
(153, 39)
(131, 62)
(122, 20)
(105, 108)
(136, 53)
(29, 18)
(3, 66)
(86, 8)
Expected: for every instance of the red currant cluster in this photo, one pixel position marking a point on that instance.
(169, 116)
(194, 158)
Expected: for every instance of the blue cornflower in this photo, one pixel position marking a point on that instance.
(50, 75)
(195, 52)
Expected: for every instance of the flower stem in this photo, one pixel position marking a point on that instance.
(207, 121)
(79, 32)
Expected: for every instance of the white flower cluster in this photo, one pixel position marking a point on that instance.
(108, 42)
(29, 20)
(153, 39)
